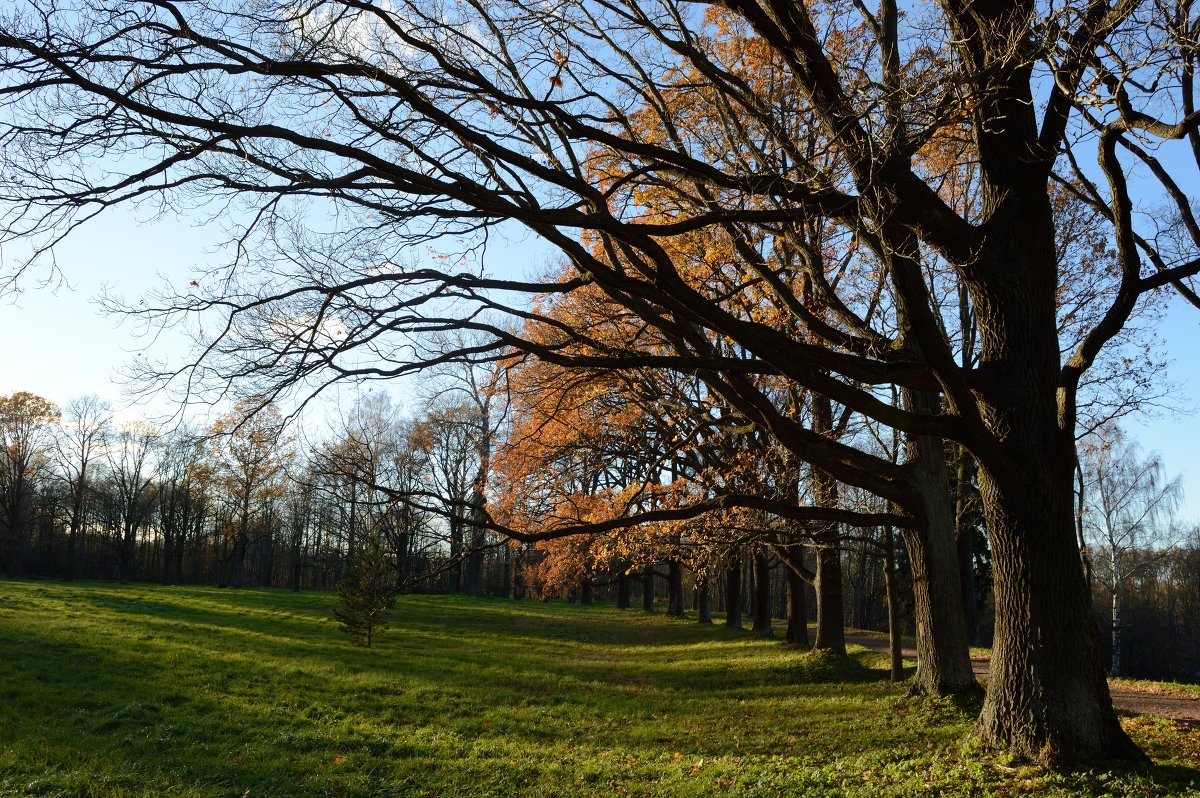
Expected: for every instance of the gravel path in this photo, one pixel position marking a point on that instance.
(1148, 699)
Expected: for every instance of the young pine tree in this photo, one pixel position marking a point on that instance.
(366, 593)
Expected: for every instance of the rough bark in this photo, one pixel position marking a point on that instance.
(964, 520)
(648, 589)
(943, 652)
(1048, 697)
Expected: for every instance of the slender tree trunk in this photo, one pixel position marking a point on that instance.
(76, 521)
(1116, 629)
(237, 565)
(895, 644)
(704, 602)
(473, 583)
(168, 554)
(456, 552)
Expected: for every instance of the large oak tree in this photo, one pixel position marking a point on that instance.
(418, 121)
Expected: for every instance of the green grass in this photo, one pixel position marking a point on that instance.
(109, 690)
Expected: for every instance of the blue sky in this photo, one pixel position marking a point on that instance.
(59, 344)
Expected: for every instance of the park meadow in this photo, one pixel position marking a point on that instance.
(141, 690)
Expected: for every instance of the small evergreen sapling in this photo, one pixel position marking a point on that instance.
(366, 593)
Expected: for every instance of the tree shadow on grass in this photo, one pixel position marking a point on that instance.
(239, 690)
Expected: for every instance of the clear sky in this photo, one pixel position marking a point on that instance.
(59, 345)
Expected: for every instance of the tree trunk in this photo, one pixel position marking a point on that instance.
(704, 602)
(733, 593)
(1116, 630)
(623, 591)
(831, 610)
(475, 540)
(797, 602)
(648, 589)
(456, 552)
(168, 556)
(675, 589)
(585, 592)
(943, 653)
(964, 521)
(895, 644)
(831, 624)
(237, 564)
(1048, 697)
(762, 592)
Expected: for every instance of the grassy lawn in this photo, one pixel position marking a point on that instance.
(113, 690)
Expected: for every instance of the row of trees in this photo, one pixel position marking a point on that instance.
(241, 502)
(871, 263)
(245, 503)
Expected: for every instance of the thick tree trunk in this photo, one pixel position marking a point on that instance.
(943, 653)
(585, 592)
(1048, 697)
(623, 591)
(831, 624)
(733, 593)
(648, 589)
(762, 592)
(797, 603)
(675, 589)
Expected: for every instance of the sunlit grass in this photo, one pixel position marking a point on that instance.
(114, 690)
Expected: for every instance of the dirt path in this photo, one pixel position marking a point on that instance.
(1141, 699)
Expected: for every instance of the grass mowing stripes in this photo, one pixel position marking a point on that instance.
(135, 690)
